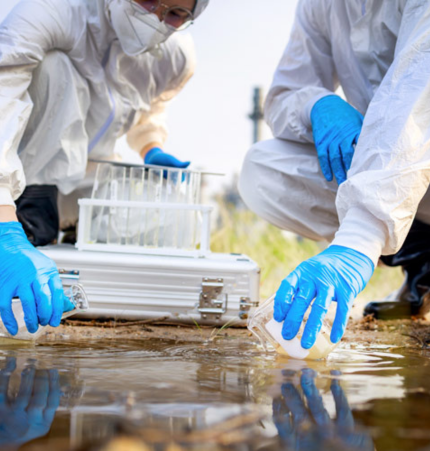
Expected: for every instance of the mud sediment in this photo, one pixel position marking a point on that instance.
(409, 333)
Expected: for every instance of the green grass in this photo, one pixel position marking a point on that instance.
(278, 253)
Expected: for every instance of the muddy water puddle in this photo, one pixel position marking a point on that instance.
(161, 395)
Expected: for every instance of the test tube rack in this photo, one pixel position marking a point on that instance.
(145, 209)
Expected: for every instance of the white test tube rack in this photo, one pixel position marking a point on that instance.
(202, 228)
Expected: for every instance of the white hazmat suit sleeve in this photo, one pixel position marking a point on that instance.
(305, 74)
(150, 126)
(31, 29)
(390, 171)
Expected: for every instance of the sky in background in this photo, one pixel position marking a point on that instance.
(239, 44)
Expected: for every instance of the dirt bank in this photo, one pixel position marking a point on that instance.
(413, 332)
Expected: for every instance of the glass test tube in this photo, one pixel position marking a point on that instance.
(171, 217)
(117, 223)
(135, 219)
(100, 191)
(154, 190)
(198, 220)
(188, 216)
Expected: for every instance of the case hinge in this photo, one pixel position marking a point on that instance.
(212, 301)
(245, 306)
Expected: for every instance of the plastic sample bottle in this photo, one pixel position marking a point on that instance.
(269, 332)
(77, 297)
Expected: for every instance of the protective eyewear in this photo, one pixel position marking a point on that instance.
(177, 18)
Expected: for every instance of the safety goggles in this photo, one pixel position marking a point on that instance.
(176, 18)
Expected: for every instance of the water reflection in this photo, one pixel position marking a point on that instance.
(27, 408)
(221, 396)
(303, 423)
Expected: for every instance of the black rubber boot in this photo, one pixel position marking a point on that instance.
(37, 211)
(414, 296)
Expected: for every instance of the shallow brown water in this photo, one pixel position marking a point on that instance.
(222, 395)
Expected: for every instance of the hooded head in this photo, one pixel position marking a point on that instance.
(200, 6)
(138, 30)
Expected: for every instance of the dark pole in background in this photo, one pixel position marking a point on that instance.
(257, 114)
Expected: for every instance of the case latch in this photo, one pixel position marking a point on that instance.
(245, 306)
(212, 301)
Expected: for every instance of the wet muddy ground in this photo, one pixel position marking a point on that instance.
(149, 387)
(364, 331)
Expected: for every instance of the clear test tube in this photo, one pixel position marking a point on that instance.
(100, 191)
(155, 185)
(101, 181)
(189, 216)
(174, 181)
(135, 217)
(154, 191)
(171, 217)
(144, 211)
(162, 214)
(196, 183)
(117, 223)
(189, 192)
(198, 222)
(182, 214)
(196, 215)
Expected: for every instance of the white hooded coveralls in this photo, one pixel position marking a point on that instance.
(378, 51)
(67, 90)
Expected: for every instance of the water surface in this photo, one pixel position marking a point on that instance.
(224, 395)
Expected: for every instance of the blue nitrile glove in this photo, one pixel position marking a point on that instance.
(336, 128)
(338, 274)
(159, 158)
(28, 274)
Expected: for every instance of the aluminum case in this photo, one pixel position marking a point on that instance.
(215, 290)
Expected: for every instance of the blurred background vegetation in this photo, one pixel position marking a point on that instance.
(278, 253)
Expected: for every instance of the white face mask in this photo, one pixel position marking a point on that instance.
(135, 35)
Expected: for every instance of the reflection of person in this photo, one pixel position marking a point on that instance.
(30, 413)
(306, 425)
(332, 173)
(76, 75)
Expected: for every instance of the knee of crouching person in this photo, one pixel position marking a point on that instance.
(249, 178)
(54, 65)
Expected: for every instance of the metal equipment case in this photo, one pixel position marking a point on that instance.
(143, 251)
(217, 289)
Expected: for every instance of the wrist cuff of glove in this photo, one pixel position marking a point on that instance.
(154, 151)
(311, 104)
(359, 230)
(11, 227)
(352, 252)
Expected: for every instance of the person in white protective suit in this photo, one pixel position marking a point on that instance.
(355, 173)
(74, 76)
